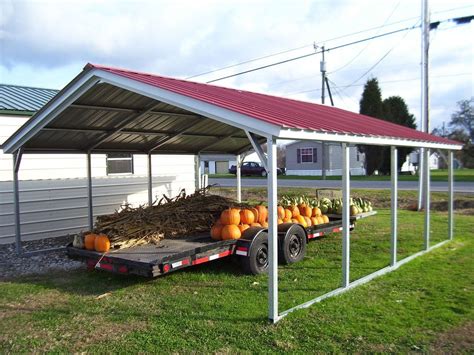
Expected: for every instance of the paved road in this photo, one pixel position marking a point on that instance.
(467, 187)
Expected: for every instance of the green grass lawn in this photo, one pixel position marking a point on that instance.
(215, 308)
(436, 175)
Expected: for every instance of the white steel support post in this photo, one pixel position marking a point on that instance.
(90, 211)
(345, 215)
(197, 171)
(239, 179)
(272, 230)
(426, 188)
(394, 205)
(150, 181)
(16, 199)
(450, 195)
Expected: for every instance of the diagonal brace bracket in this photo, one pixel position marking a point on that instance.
(258, 149)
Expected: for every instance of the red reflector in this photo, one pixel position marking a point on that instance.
(166, 268)
(105, 266)
(122, 269)
(185, 262)
(242, 248)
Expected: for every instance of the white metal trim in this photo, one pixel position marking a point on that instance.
(450, 196)
(358, 139)
(345, 215)
(394, 205)
(427, 193)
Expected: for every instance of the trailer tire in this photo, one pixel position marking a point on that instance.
(293, 248)
(256, 262)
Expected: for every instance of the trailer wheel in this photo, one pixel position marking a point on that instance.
(294, 246)
(257, 260)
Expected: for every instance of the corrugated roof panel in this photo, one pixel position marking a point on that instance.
(283, 112)
(22, 98)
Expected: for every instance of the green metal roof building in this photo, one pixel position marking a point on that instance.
(23, 100)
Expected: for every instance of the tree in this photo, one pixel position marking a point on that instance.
(461, 130)
(371, 105)
(396, 110)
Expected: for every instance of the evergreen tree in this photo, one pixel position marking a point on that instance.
(395, 110)
(371, 105)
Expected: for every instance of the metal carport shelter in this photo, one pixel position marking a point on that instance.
(107, 109)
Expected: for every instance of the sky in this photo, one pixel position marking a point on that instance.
(47, 43)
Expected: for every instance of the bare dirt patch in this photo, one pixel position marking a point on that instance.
(455, 341)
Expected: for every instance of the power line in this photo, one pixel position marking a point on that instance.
(322, 41)
(313, 53)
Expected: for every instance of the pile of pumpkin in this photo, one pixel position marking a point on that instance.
(92, 241)
(234, 221)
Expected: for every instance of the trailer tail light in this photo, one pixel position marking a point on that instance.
(211, 257)
(315, 235)
(242, 251)
(166, 268)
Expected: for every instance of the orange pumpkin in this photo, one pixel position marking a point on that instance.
(216, 231)
(280, 221)
(288, 214)
(306, 211)
(231, 231)
(325, 218)
(301, 221)
(281, 212)
(264, 224)
(218, 222)
(314, 221)
(247, 216)
(255, 224)
(320, 220)
(294, 220)
(89, 241)
(102, 243)
(255, 214)
(316, 212)
(308, 221)
(262, 213)
(230, 216)
(294, 211)
(243, 227)
(287, 220)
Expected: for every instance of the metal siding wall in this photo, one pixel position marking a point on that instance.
(58, 207)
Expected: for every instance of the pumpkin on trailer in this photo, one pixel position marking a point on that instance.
(301, 221)
(216, 231)
(320, 220)
(89, 241)
(287, 220)
(294, 220)
(255, 214)
(306, 211)
(288, 214)
(280, 221)
(281, 212)
(255, 224)
(247, 216)
(264, 224)
(231, 231)
(102, 243)
(262, 213)
(314, 221)
(230, 216)
(308, 221)
(316, 212)
(295, 212)
(325, 218)
(243, 227)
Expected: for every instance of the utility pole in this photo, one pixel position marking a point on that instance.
(322, 68)
(425, 102)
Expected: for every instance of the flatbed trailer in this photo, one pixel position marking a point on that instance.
(170, 255)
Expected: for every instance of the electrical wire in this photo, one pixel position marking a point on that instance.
(322, 41)
(311, 54)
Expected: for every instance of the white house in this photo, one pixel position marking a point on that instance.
(411, 162)
(53, 195)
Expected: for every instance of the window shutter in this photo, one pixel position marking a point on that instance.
(315, 155)
(298, 155)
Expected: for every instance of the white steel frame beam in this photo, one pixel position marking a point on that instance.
(197, 172)
(426, 195)
(450, 196)
(258, 149)
(150, 180)
(394, 205)
(90, 207)
(272, 230)
(16, 199)
(238, 175)
(345, 215)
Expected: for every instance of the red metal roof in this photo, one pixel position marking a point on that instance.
(283, 112)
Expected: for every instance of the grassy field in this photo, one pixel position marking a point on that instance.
(426, 305)
(436, 175)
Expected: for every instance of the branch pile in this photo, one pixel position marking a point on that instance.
(183, 215)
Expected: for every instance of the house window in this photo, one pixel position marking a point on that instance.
(119, 163)
(307, 155)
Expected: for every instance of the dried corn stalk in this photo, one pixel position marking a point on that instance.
(183, 215)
